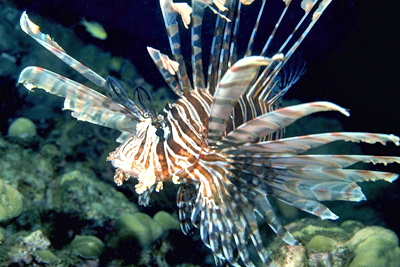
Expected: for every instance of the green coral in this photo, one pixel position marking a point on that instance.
(166, 220)
(349, 245)
(2, 235)
(321, 243)
(46, 256)
(311, 230)
(22, 128)
(10, 203)
(375, 246)
(142, 235)
(138, 228)
(87, 246)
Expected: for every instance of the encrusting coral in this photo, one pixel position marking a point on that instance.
(22, 128)
(139, 229)
(350, 245)
(10, 206)
(374, 246)
(22, 131)
(86, 246)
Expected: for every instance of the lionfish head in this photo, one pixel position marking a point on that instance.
(137, 155)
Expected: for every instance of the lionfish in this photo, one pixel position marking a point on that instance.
(223, 140)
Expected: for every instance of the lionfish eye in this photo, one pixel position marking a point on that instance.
(160, 132)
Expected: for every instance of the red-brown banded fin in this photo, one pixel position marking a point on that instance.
(163, 66)
(232, 86)
(297, 145)
(86, 104)
(47, 42)
(275, 120)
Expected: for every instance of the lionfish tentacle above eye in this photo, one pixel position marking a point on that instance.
(143, 96)
(116, 91)
(223, 141)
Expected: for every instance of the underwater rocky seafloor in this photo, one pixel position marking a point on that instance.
(60, 207)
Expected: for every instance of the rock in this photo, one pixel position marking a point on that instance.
(36, 241)
(28, 247)
(352, 226)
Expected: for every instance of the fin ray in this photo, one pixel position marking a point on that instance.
(86, 104)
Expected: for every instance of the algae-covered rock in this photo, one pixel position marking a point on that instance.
(312, 230)
(36, 241)
(79, 192)
(10, 203)
(22, 128)
(352, 226)
(87, 246)
(28, 247)
(309, 231)
(375, 246)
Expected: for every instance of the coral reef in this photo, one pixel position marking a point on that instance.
(166, 220)
(324, 244)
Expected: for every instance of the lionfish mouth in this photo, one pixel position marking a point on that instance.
(146, 177)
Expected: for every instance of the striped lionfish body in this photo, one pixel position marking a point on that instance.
(222, 141)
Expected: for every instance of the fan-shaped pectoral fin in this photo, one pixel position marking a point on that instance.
(86, 104)
(234, 84)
